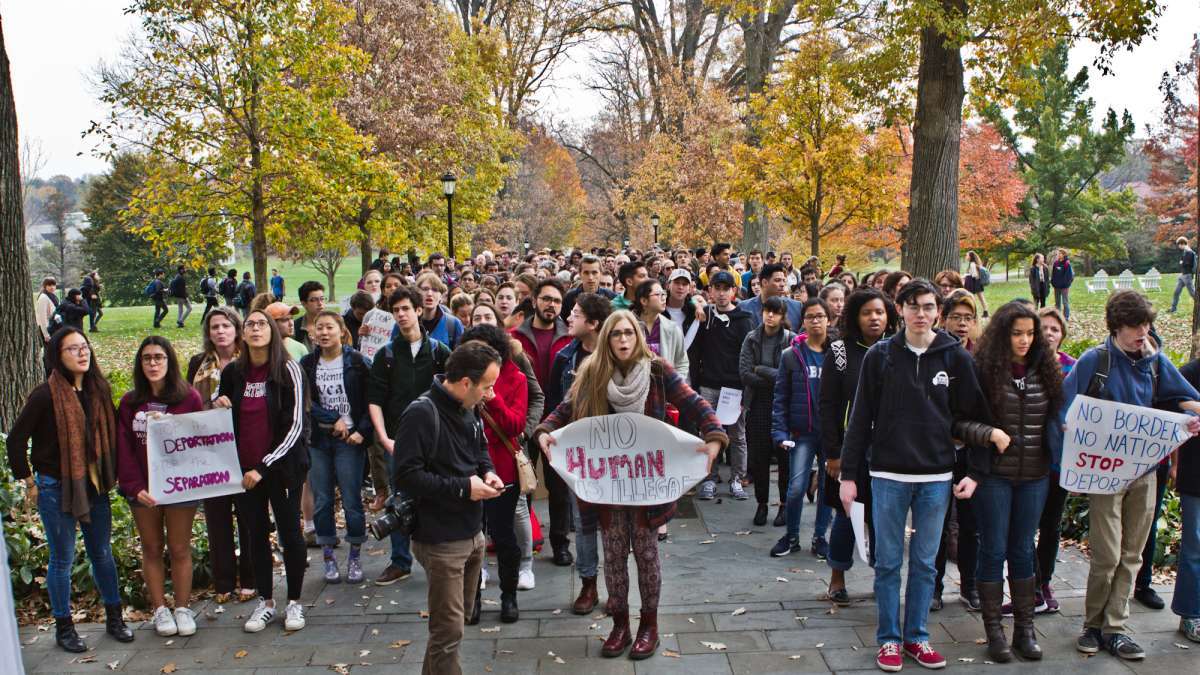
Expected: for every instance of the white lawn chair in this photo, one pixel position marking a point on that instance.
(1123, 281)
(1098, 283)
(1150, 280)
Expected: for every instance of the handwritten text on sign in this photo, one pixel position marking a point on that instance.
(377, 325)
(627, 459)
(1108, 445)
(192, 456)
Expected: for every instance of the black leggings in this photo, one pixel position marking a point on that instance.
(1049, 529)
(761, 448)
(286, 506)
(968, 534)
(498, 515)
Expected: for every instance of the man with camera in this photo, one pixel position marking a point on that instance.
(401, 371)
(444, 467)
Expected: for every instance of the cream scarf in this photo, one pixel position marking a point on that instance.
(627, 392)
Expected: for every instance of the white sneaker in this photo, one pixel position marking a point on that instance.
(185, 618)
(164, 622)
(295, 616)
(483, 577)
(260, 617)
(525, 580)
(736, 489)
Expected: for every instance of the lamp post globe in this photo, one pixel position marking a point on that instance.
(448, 183)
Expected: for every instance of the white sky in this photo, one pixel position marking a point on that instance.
(53, 45)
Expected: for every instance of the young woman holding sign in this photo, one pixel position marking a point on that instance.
(623, 375)
(72, 424)
(337, 384)
(265, 389)
(158, 388)
(1020, 376)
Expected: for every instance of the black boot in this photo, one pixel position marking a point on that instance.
(66, 637)
(508, 607)
(1024, 640)
(780, 517)
(991, 596)
(115, 626)
(760, 515)
(473, 617)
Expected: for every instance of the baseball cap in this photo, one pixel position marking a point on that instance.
(281, 310)
(722, 279)
(679, 274)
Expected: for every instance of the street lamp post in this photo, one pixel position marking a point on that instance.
(654, 221)
(448, 182)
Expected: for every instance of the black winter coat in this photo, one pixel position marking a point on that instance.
(1023, 414)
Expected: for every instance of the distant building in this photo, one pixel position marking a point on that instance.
(44, 232)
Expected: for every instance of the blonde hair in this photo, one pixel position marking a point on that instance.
(435, 282)
(589, 392)
(1054, 313)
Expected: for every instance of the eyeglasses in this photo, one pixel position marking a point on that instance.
(550, 300)
(815, 317)
(623, 334)
(257, 324)
(151, 359)
(76, 350)
(960, 318)
(658, 294)
(924, 309)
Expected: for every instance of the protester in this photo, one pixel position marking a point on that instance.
(503, 417)
(867, 318)
(623, 375)
(436, 319)
(721, 334)
(222, 332)
(542, 336)
(265, 389)
(630, 276)
(45, 306)
(284, 316)
(1137, 373)
(1185, 472)
(755, 257)
(337, 378)
(156, 290)
(911, 466)
(360, 303)
(589, 282)
(1061, 278)
(663, 336)
(795, 427)
(894, 281)
(758, 364)
(772, 284)
(834, 295)
(401, 371)
(947, 282)
(1039, 280)
(443, 463)
(312, 298)
(71, 422)
(682, 307)
(461, 306)
(1020, 377)
(372, 283)
(158, 389)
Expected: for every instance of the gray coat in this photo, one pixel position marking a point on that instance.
(758, 367)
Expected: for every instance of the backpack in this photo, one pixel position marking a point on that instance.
(151, 289)
(56, 320)
(1099, 380)
(206, 286)
(985, 276)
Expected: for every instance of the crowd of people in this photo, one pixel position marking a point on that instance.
(881, 388)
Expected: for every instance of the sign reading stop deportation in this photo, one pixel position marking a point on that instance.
(1108, 445)
(627, 459)
(192, 456)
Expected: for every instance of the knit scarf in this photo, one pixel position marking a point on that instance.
(627, 392)
(78, 466)
(208, 376)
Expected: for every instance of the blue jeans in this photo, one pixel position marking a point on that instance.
(800, 463)
(401, 547)
(841, 543)
(1007, 513)
(60, 536)
(587, 547)
(890, 503)
(1186, 602)
(335, 462)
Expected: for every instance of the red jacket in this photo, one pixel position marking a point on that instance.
(524, 334)
(507, 409)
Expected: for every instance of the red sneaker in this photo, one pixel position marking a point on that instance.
(889, 658)
(925, 655)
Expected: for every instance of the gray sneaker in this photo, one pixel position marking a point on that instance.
(354, 570)
(332, 575)
(1123, 646)
(1190, 628)
(1089, 641)
(738, 492)
(708, 490)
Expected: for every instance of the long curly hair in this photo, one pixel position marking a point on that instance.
(994, 357)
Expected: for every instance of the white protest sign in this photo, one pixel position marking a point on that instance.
(377, 332)
(729, 406)
(192, 456)
(1108, 445)
(858, 521)
(627, 459)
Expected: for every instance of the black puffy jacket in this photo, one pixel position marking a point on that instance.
(1023, 415)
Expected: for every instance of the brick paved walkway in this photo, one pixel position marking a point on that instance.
(715, 565)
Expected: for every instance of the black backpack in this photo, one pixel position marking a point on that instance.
(1097, 384)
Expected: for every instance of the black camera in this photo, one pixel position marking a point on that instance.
(399, 515)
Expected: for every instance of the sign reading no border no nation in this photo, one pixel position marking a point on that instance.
(627, 459)
(1108, 445)
(192, 456)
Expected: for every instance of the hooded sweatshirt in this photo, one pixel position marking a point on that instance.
(906, 407)
(795, 412)
(714, 353)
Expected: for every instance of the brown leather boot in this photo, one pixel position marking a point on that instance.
(1024, 641)
(647, 636)
(991, 596)
(619, 638)
(588, 597)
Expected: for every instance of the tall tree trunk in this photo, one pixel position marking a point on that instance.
(18, 332)
(932, 236)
